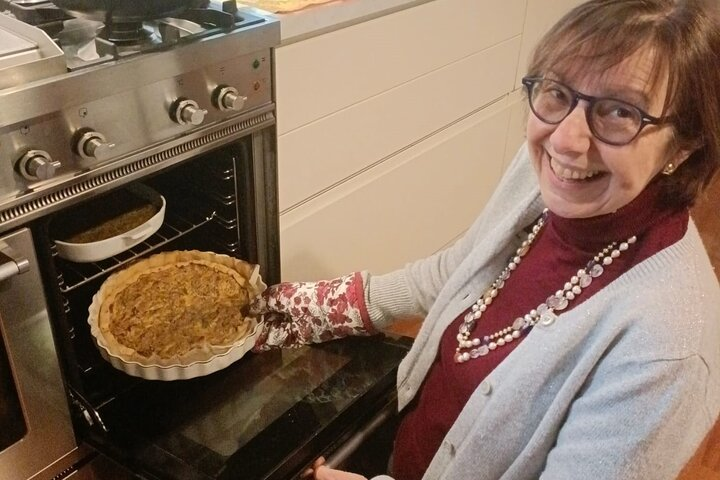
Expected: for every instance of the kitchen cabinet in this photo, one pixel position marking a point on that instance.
(393, 131)
(401, 209)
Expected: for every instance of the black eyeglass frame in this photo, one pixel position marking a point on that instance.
(645, 118)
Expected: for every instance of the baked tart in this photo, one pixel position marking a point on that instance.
(177, 309)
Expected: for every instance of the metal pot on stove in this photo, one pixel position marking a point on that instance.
(125, 11)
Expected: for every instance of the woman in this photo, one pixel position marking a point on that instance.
(593, 352)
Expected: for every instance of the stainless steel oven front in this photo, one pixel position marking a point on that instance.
(186, 109)
(36, 434)
(190, 113)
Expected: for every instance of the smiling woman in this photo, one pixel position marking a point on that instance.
(573, 331)
(593, 154)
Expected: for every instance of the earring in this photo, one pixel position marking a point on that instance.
(669, 169)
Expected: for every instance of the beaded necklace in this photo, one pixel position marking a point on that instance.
(544, 313)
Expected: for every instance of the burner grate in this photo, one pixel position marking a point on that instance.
(41, 13)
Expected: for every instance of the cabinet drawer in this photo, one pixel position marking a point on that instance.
(327, 73)
(405, 208)
(342, 144)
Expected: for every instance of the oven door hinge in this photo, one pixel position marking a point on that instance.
(86, 410)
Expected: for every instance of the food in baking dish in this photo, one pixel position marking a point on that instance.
(117, 225)
(176, 308)
(95, 231)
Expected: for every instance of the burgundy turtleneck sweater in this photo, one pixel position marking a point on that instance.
(562, 247)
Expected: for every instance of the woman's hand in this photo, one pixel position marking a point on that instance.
(301, 313)
(320, 472)
(327, 473)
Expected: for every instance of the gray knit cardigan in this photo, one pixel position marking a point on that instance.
(623, 386)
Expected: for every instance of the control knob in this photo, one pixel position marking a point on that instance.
(228, 98)
(37, 165)
(94, 146)
(187, 111)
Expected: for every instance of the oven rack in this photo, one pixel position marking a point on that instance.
(73, 275)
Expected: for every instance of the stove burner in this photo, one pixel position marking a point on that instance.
(87, 42)
(131, 33)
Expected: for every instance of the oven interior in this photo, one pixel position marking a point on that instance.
(267, 415)
(209, 207)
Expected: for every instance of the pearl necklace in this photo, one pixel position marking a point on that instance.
(544, 313)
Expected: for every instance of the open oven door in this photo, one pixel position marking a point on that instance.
(268, 416)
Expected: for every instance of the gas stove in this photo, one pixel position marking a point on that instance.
(179, 98)
(84, 99)
(86, 42)
(183, 105)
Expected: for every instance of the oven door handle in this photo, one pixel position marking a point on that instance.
(11, 263)
(338, 457)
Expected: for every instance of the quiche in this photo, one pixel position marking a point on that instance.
(176, 308)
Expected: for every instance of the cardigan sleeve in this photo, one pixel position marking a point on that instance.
(636, 420)
(399, 294)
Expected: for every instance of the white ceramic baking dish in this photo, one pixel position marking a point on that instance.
(199, 363)
(102, 249)
(187, 371)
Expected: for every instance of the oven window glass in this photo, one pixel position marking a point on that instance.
(263, 418)
(12, 421)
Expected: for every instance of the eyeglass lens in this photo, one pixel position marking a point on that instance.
(612, 121)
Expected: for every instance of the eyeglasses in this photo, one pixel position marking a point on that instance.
(612, 121)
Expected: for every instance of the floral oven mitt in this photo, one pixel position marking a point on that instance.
(300, 313)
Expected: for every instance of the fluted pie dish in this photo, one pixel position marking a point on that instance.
(176, 315)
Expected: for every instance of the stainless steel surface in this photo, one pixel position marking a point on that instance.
(25, 325)
(11, 263)
(12, 45)
(83, 120)
(129, 102)
(84, 184)
(27, 54)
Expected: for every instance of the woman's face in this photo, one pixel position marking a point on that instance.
(579, 175)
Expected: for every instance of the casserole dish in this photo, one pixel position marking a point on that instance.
(127, 207)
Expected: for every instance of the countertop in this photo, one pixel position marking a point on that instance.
(318, 19)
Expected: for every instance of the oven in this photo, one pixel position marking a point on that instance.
(183, 107)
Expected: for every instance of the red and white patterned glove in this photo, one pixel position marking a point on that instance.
(301, 313)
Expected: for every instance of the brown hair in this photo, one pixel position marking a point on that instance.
(685, 38)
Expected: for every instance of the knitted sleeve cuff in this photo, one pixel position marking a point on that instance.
(388, 298)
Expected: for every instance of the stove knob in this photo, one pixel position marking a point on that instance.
(38, 165)
(228, 98)
(94, 146)
(188, 111)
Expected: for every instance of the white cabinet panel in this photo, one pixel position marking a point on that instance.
(405, 208)
(540, 16)
(354, 138)
(324, 74)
